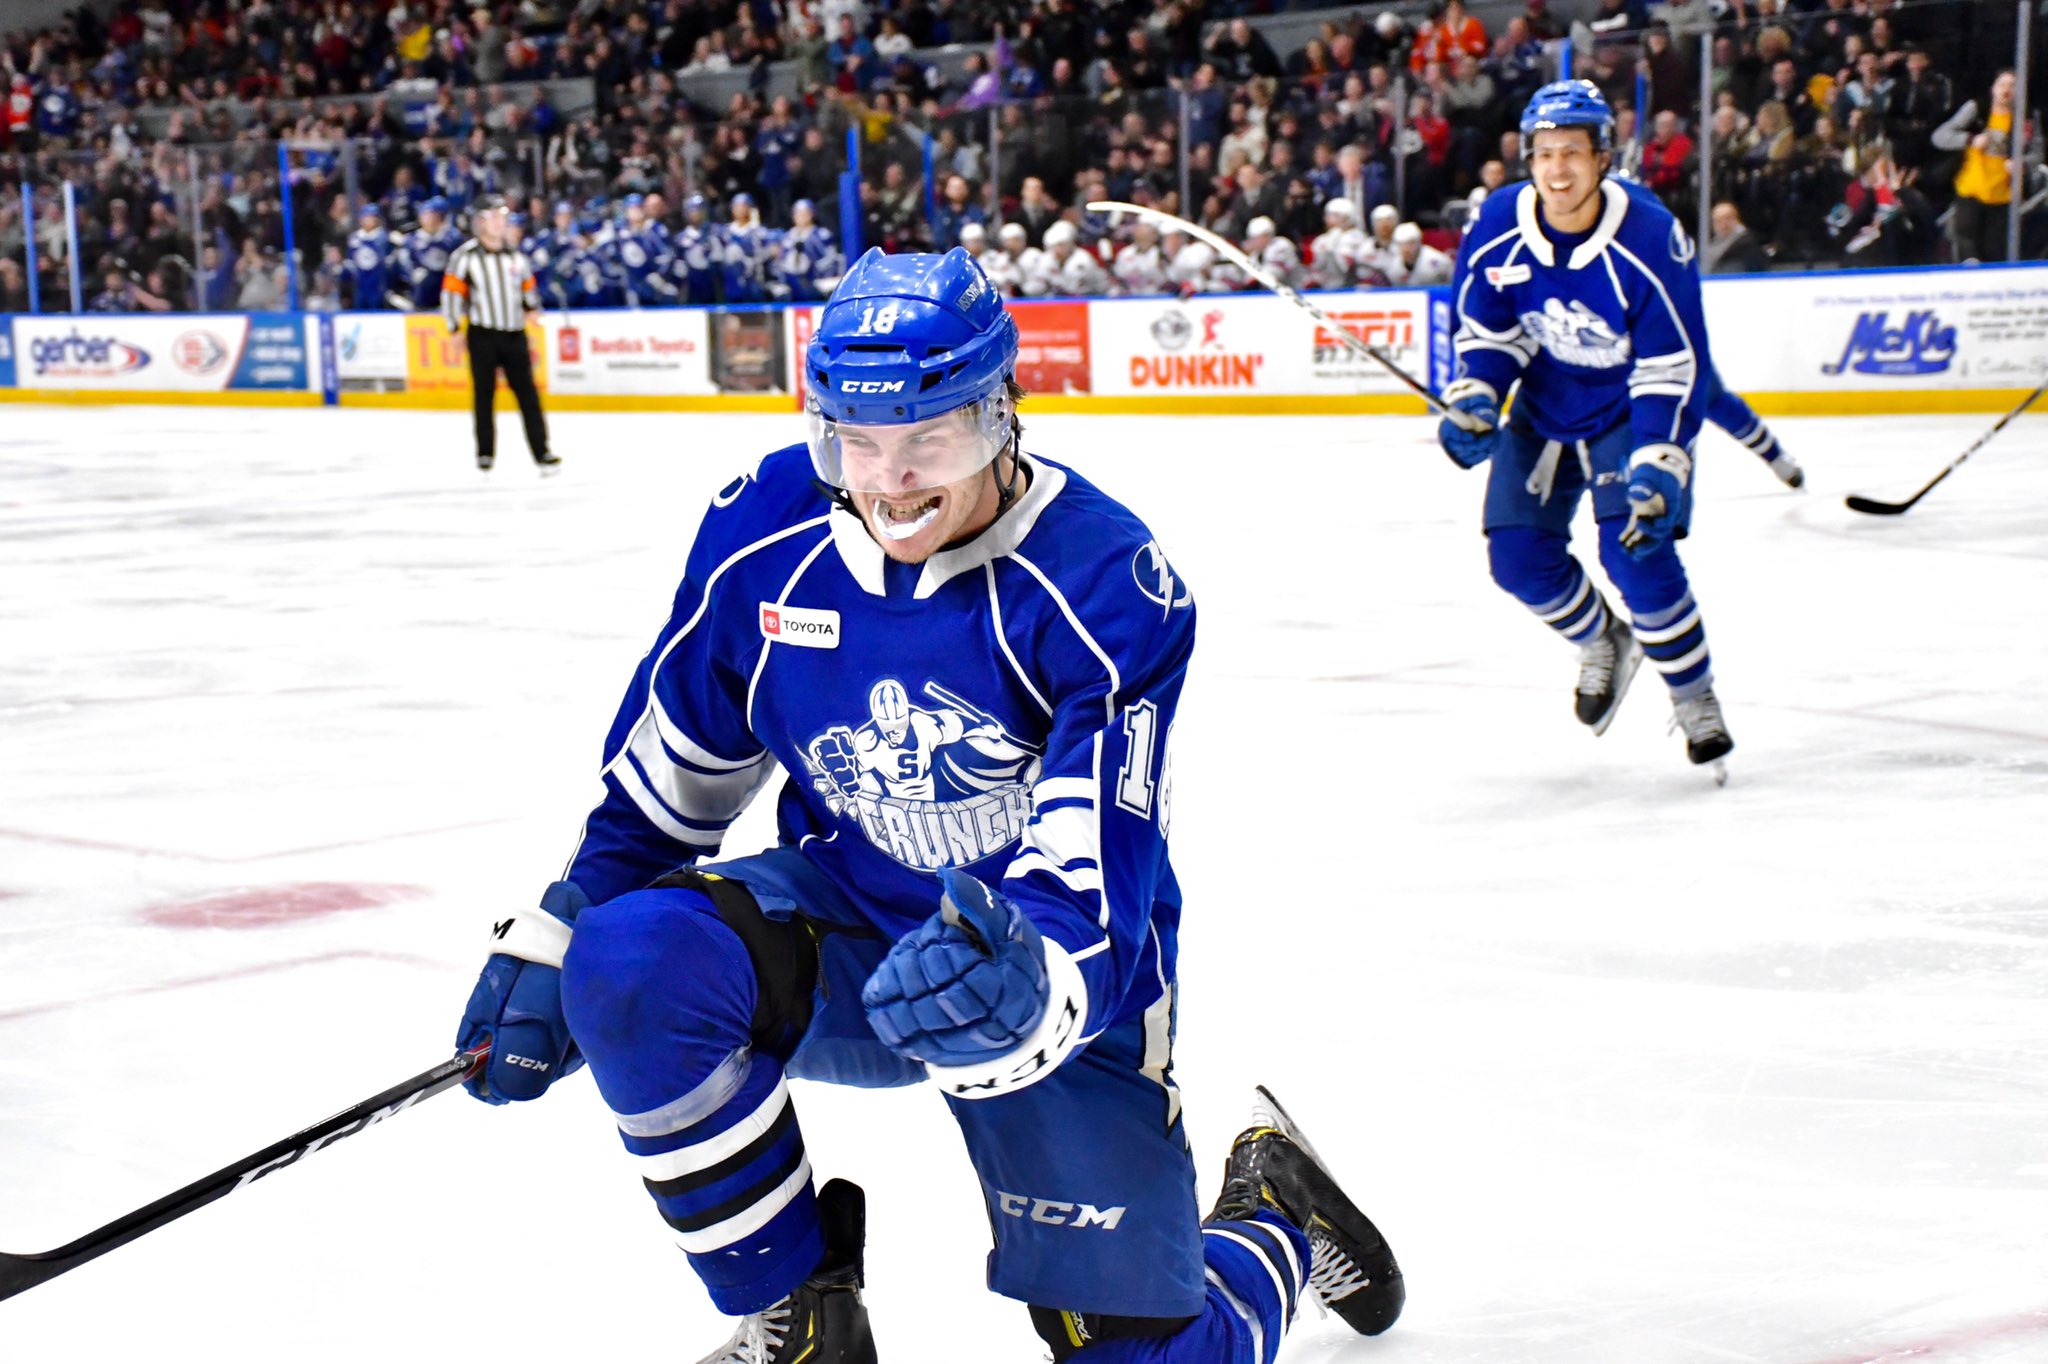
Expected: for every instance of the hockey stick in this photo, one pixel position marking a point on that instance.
(1874, 507)
(21, 1272)
(1358, 345)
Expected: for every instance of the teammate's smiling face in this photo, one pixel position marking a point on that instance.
(1567, 169)
(920, 502)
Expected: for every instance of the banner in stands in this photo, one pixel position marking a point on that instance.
(197, 353)
(1255, 344)
(647, 351)
(1984, 328)
(1052, 347)
(437, 361)
(369, 352)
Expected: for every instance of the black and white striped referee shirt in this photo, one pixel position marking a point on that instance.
(492, 289)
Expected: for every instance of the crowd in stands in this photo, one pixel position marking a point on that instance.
(1857, 131)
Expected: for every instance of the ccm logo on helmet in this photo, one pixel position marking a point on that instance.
(871, 386)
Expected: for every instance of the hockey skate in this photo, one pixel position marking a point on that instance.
(824, 1321)
(1606, 667)
(1787, 469)
(1706, 733)
(548, 462)
(1352, 1269)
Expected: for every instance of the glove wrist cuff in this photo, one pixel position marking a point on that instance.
(1460, 389)
(532, 935)
(1671, 459)
(1055, 1037)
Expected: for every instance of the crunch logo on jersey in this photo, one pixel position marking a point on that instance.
(931, 785)
(1576, 335)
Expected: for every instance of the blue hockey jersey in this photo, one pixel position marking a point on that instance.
(1003, 708)
(1598, 327)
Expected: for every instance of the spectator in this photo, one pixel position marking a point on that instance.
(13, 287)
(1241, 52)
(1732, 249)
(1918, 100)
(956, 210)
(1668, 162)
(1672, 88)
(1884, 219)
(1448, 31)
(1983, 180)
(1036, 210)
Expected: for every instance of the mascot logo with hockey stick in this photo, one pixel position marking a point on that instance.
(942, 784)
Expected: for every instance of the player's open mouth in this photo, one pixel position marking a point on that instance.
(901, 520)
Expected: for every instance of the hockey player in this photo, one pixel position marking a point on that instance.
(1064, 268)
(1022, 258)
(1334, 257)
(641, 257)
(1415, 264)
(1585, 291)
(546, 251)
(424, 257)
(971, 884)
(1379, 251)
(749, 248)
(1263, 244)
(807, 261)
(1189, 263)
(369, 271)
(700, 252)
(1727, 410)
(1140, 267)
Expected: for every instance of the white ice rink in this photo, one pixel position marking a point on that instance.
(1632, 1070)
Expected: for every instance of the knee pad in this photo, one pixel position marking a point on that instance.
(1068, 1332)
(1531, 565)
(783, 953)
(646, 946)
(1652, 584)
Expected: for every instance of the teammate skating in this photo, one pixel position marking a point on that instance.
(1728, 410)
(969, 660)
(1584, 291)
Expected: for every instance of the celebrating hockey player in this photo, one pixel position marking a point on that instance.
(1415, 264)
(1584, 291)
(968, 659)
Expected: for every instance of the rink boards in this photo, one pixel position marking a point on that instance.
(1840, 342)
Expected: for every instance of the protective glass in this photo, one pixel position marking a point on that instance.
(894, 460)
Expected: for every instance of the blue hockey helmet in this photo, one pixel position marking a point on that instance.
(370, 210)
(435, 205)
(1569, 104)
(696, 203)
(902, 340)
(806, 205)
(634, 200)
(564, 206)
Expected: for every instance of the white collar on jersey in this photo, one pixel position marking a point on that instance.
(1587, 251)
(864, 558)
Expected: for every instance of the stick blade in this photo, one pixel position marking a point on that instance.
(18, 1273)
(1872, 507)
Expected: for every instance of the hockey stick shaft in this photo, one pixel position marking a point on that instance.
(19, 1273)
(1873, 507)
(1351, 340)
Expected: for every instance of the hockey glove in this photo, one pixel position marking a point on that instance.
(517, 1003)
(1657, 479)
(967, 985)
(1467, 430)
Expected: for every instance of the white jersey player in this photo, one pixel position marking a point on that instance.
(1140, 267)
(1001, 262)
(1063, 268)
(1273, 252)
(1190, 264)
(1376, 260)
(1335, 255)
(1415, 264)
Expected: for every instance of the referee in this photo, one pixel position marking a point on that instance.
(490, 283)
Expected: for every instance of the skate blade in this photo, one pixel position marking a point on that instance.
(1624, 676)
(1720, 770)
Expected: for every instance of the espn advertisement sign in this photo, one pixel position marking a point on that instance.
(1891, 330)
(197, 353)
(1255, 344)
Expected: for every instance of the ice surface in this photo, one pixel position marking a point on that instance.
(1631, 1069)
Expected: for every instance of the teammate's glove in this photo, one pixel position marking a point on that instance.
(1657, 479)
(967, 985)
(517, 1003)
(1468, 436)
